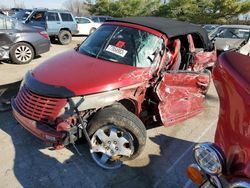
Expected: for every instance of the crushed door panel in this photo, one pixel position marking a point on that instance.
(180, 96)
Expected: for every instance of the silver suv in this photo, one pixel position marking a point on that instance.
(60, 24)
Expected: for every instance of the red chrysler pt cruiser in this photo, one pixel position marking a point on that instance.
(130, 73)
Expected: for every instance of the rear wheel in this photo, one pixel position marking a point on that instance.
(22, 53)
(64, 37)
(116, 135)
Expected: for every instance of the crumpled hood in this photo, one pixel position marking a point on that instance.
(82, 74)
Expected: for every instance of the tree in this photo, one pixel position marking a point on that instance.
(77, 7)
(123, 8)
(204, 11)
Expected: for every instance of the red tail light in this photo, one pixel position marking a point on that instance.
(44, 34)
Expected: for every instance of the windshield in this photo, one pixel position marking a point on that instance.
(22, 15)
(233, 33)
(123, 45)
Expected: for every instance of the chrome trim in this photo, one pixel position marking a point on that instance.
(213, 149)
(241, 184)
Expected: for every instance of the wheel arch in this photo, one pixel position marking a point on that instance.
(65, 28)
(130, 105)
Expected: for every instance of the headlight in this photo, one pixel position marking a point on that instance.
(209, 158)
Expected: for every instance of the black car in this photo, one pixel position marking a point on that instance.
(21, 43)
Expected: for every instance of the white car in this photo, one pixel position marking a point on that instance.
(232, 37)
(86, 26)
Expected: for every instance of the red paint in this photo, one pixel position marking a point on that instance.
(39, 108)
(181, 96)
(175, 54)
(204, 59)
(40, 130)
(179, 93)
(232, 80)
(120, 44)
(87, 75)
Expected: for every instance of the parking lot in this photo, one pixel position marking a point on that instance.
(25, 161)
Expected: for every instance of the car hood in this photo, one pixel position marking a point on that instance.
(82, 75)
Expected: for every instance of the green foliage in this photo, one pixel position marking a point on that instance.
(204, 11)
(196, 11)
(123, 8)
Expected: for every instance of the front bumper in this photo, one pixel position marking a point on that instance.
(40, 130)
(222, 181)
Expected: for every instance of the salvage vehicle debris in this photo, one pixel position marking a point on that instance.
(130, 73)
(225, 163)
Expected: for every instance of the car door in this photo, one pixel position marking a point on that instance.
(84, 26)
(53, 23)
(180, 95)
(37, 18)
(7, 36)
(68, 22)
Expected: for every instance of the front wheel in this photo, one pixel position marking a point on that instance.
(22, 53)
(116, 135)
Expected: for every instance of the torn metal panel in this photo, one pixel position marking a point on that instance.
(204, 59)
(135, 92)
(180, 96)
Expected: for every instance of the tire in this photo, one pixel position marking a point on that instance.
(64, 37)
(92, 30)
(21, 53)
(117, 135)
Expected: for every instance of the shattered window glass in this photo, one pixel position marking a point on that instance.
(123, 45)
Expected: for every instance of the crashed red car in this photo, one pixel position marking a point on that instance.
(226, 162)
(130, 73)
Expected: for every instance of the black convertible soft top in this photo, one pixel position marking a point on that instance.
(172, 28)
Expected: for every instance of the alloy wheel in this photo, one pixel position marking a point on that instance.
(23, 53)
(110, 145)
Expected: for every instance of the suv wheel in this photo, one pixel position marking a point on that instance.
(116, 135)
(21, 53)
(64, 37)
